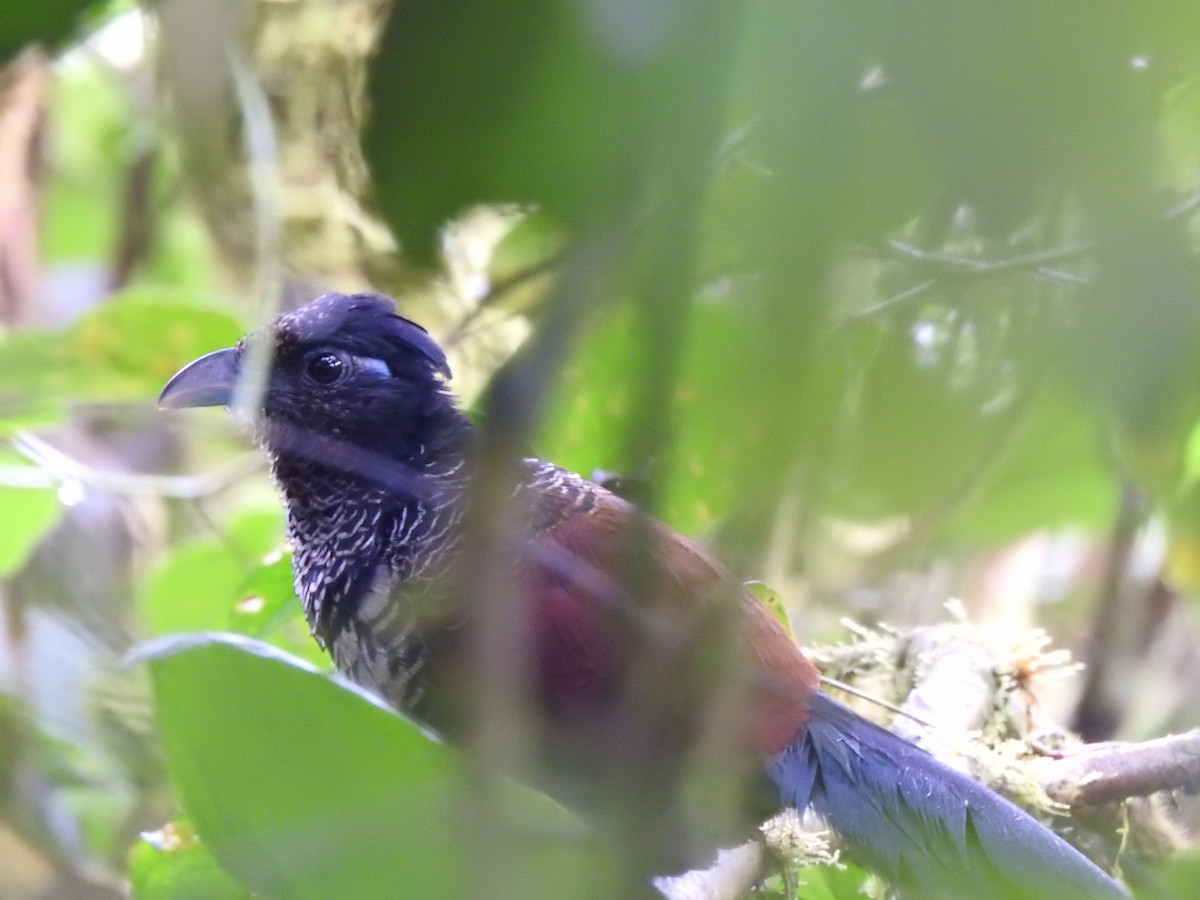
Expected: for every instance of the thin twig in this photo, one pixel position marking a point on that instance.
(1098, 709)
(975, 268)
(1040, 263)
(499, 289)
(990, 459)
(52, 469)
(873, 698)
(1184, 207)
(917, 290)
(266, 192)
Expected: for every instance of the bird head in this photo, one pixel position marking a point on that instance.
(344, 367)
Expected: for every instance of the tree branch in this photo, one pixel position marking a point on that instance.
(1109, 773)
(953, 688)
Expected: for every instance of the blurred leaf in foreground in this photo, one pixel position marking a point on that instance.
(29, 514)
(172, 864)
(47, 22)
(126, 349)
(302, 786)
(198, 585)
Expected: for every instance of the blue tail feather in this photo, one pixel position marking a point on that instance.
(922, 825)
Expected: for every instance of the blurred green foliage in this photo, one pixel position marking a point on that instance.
(924, 262)
(789, 133)
(28, 515)
(125, 349)
(172, 864)
(50, 23)
(252, 736)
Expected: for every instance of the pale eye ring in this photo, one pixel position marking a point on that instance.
(326, 368)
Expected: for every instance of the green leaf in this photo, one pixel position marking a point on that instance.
(833, 883)
(1056, 473)
(172, 864)
(238, 581)
(125, 349)
(773, 601)
(198, 587)
(145, 337)
(543, 103)
(195, 589)
(817, 882)
(487, 103)
(302, 786)
(90, 149)
(29, 514)
(267, 607)
(916, 437)
(47, 22)
(266, 596)
(716, 458)
(1175, 878)
(591, 416)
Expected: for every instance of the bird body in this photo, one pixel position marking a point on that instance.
(630, 629)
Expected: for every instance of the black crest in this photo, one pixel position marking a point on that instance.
(365, 324)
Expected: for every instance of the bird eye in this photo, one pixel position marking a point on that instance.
(325, 368)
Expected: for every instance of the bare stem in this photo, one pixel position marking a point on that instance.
(1109, 773)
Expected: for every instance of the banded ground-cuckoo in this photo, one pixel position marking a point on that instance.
(374, 460)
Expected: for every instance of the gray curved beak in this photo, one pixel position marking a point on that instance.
(208, 381)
